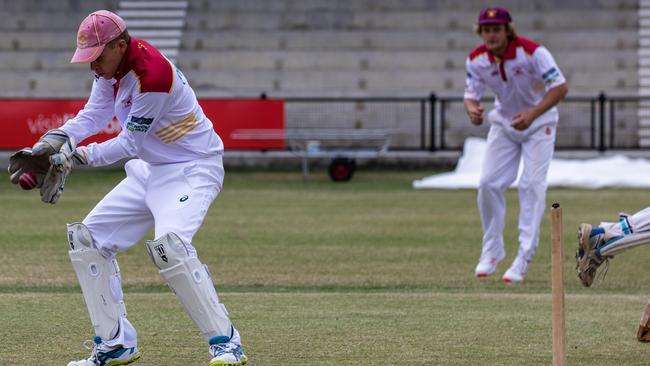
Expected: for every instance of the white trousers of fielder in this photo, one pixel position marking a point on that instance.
(505, 148)
(170, 198)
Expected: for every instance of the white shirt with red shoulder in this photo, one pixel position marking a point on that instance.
(161, 119)
(519, 79)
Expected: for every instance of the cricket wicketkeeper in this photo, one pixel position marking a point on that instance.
(176, 173)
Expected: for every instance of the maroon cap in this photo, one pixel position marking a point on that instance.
(98, 29)
(494, 15)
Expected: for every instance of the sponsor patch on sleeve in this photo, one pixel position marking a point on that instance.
(551, 75)
(139, 124)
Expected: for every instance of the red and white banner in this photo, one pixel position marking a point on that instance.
(25, 120)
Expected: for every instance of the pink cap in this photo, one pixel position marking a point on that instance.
(94, 33)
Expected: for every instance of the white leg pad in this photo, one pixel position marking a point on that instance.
(191, 282)
(100, 282)
(614, 247)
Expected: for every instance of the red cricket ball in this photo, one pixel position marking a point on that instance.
(27, 181)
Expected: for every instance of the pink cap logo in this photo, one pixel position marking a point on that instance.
(82, 40)
(97, 30)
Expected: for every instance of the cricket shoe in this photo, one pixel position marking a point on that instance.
(226, 353)
(588, 260)
(487, 265)
(517, 271)
(103, 355)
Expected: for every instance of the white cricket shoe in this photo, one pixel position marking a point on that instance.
(227, 353)
(103, 355)
(487, 265)
(517, 271)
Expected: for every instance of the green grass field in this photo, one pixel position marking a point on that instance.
(369, 272)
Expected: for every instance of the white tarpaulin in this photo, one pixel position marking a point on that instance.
(606, 172)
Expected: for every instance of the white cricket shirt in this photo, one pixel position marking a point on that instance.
(160, 116)
(519, 80)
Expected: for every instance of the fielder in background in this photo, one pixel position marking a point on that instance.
(176, 174)
(527, 84)
(598, 244)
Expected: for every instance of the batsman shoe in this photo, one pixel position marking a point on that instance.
(226, 353)
(103, 355)
(587, 258)
(517, 271)
(487, 266)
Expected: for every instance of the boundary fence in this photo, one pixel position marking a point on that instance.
(433, 123)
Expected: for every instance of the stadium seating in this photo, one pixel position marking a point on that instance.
(241, 48)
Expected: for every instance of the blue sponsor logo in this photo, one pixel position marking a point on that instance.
(139, 124)
(184, 198)
(551, 75)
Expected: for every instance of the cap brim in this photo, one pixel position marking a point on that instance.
(493, 21)
(86, 55)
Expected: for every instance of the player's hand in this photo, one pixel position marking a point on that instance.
(50, 143)
(522, 121)
(61, 166)
(24, 161)
(475, 113)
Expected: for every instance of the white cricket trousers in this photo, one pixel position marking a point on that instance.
(505, 148)
(168, 198)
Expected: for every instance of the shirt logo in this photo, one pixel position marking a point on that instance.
(184, 198)
(551, 75)
(139, 124)
(127, 103)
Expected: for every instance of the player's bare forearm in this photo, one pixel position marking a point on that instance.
(523, 120)
(550, 100)
(474, 111)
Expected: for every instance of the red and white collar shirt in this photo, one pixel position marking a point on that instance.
(519, 80)
(161, 119)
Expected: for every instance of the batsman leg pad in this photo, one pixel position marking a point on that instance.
(191, 282)
(100, 282)
(621, 244)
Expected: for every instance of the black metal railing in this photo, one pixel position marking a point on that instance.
(433, 123)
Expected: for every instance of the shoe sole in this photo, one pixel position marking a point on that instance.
(118, 363)
(584, 230)
(509, 280)
(242, 362)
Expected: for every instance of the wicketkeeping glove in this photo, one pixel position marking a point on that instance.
(61, 165)
(36, 159)
(25, 161)
(51, 142)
